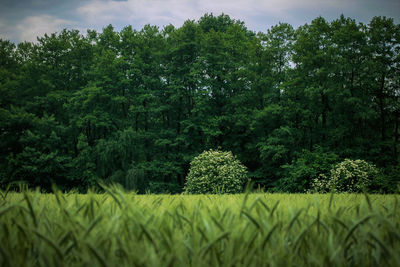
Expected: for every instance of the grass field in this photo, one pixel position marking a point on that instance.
(122, 229)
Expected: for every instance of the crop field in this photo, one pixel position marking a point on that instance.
(124, 229)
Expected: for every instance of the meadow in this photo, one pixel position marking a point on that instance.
(118, 228)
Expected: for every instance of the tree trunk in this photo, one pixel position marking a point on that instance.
(396, 136)
(381, 107)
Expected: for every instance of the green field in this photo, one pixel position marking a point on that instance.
(124, 229)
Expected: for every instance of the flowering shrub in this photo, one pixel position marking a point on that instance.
(347, 176)
(215, 172)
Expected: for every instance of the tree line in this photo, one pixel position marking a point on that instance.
(136, 106)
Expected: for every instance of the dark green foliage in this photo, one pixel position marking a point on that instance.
(387, 180)
(309, 165)
(136, 106)
(163, 188)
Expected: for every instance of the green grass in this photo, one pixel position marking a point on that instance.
(121, 229)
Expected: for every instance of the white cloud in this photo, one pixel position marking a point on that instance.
(5, 32)
(33, 26)
(163, 12)
(159, 12)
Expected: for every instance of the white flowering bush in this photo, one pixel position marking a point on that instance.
(348, 176)
(215, 172)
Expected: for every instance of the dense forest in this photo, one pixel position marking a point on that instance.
(136, 106)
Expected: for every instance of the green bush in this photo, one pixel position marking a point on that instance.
(215, 172)
(387, 181)
(348, 176)
(163, 188)
(297, 177)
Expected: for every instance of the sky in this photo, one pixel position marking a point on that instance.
(25, 20)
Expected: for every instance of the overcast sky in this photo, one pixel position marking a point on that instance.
(24, 20)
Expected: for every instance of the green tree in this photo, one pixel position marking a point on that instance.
(136, 106)
(383, 62)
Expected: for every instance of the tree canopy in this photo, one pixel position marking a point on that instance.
(136, 106)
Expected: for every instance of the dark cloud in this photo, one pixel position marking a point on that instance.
(23, 20)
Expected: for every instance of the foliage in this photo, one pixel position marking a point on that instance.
(347, 176)
(163, 188)
(214, 172)
(120, 229)
(79, 108)
(298, 176)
